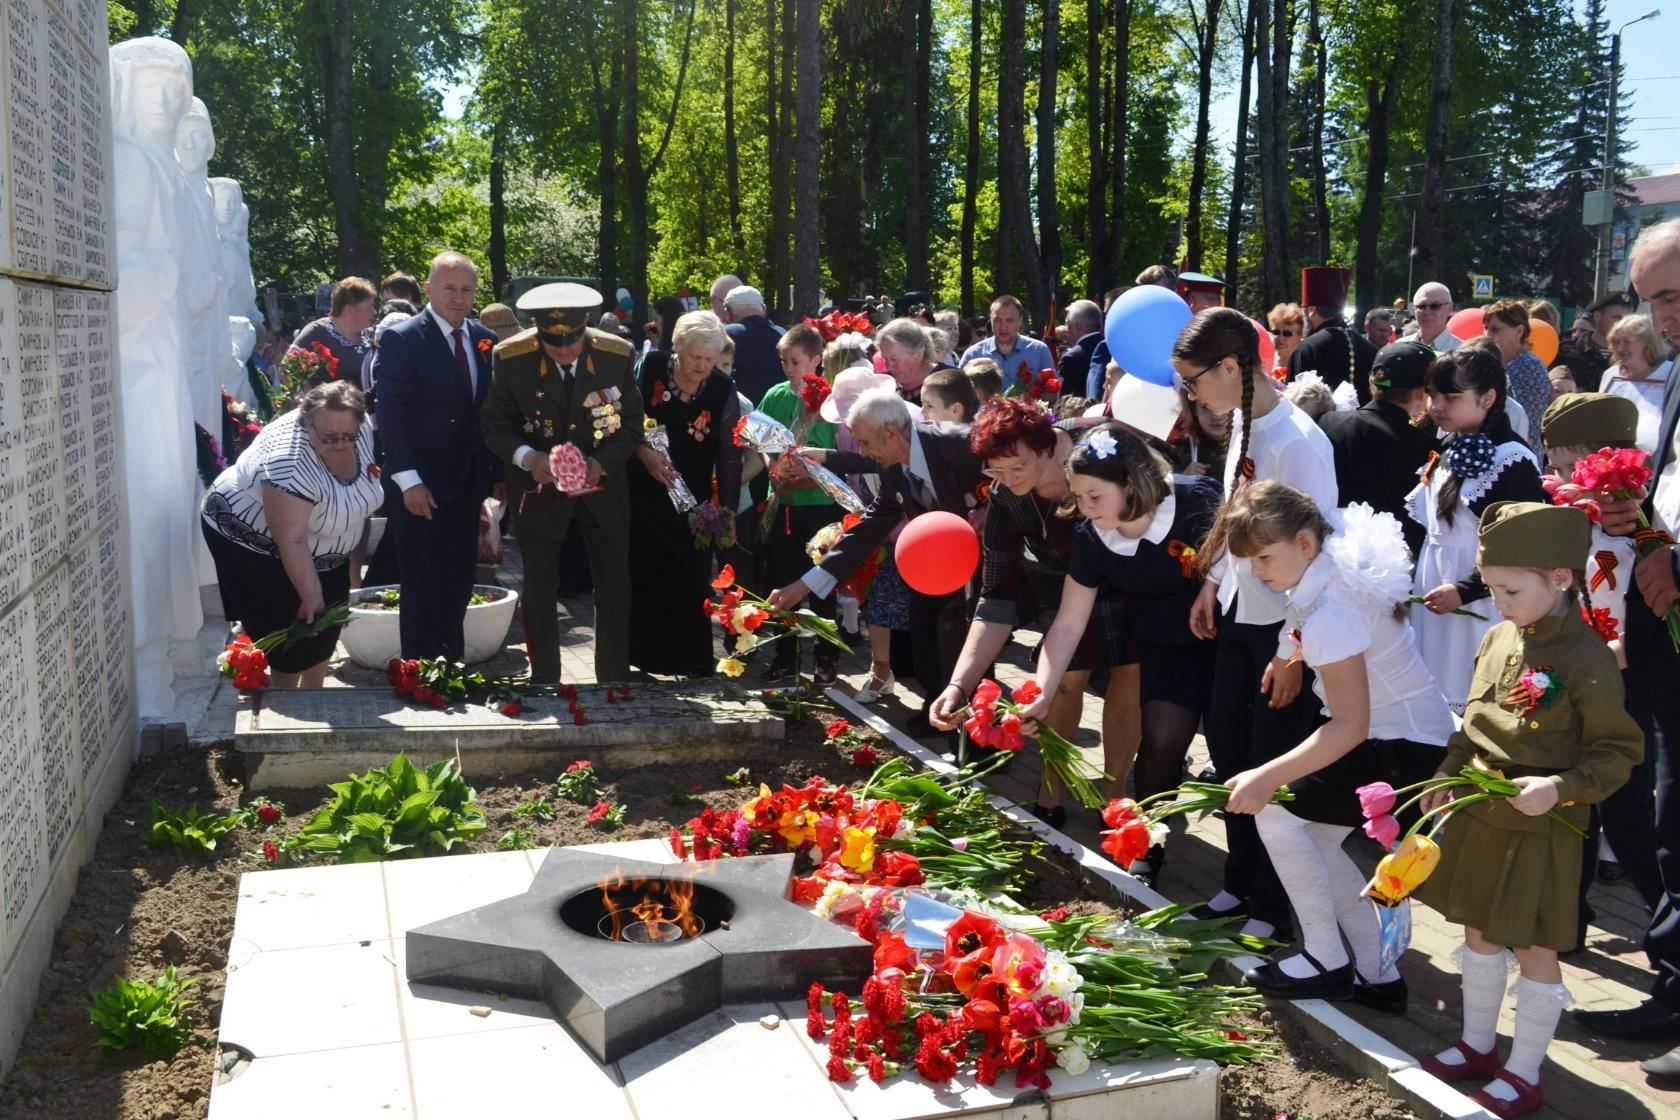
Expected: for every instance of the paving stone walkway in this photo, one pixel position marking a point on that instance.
(1587, 1078)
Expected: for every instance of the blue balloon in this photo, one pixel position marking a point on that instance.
(1141, 328)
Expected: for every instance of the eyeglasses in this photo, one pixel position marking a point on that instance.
(1013, 470)
(1435, 305)
(1287, 334)
(1189, 383)
(335, 439)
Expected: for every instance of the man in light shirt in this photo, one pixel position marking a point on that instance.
(1433, 305)
(1012, 350)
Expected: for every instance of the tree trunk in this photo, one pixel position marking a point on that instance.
(807, 275)
(924, 114)
(1049, 225)
(1432, 241)
(731, 148)
(181, 26)
(1321, 203)
(639, 176)
(915, 228)
(1273, 148)
(1097, 269)
(1117, 130)
(971, 163)
(1380, 102)
(781, 170)
(1239, 172)
(498, 210)
(1015, 231)
(378, 136)
(607, 102)
(356, 256)
(1207, 39)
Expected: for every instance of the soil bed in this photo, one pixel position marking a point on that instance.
(138, 909)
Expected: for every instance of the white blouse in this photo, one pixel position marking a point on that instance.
(1646, 393)
(1286, 446)
(283, 457)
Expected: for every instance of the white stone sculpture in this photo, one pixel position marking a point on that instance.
(233, 224)
(242, 339)
(202, 286)
(151, 90)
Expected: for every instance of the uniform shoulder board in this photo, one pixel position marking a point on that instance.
(609, 343)
(525, 342)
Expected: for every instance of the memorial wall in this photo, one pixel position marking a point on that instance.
(67, 685)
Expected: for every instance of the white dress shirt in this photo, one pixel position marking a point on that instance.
(407, 480)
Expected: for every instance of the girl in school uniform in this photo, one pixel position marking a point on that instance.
(1483, 461)
(1546, 710)
(1345, 578)
(1259, 708)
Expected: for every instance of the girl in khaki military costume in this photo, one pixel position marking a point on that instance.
(1545, 709)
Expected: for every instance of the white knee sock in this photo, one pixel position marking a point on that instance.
(1301, 869)
(1354, 913)
(1538, 1006)
(1483, 977)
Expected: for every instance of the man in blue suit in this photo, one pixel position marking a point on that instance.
(433, 373)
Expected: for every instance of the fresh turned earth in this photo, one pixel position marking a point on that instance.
(139, 909)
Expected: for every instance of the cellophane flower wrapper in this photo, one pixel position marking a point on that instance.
(771, 437)
(567, 464)
(682, 497)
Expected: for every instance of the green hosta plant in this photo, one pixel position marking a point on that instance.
(143, 1014)
(394, 812)
(192, 830)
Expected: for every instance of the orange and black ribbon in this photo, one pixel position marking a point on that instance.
(1185, 555)
(1295, 636)
(1648, 539)
(1429, 467)
(1606, 574)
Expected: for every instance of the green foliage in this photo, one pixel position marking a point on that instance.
(190, 830)
(516, 840)
(143, 1015)
(538, 808)
(394, 812)
(578, 783)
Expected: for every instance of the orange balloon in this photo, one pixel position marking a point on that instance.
(1543, 340)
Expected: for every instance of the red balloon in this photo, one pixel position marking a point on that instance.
(1467, 324)
(937, 553)
(1268, 348)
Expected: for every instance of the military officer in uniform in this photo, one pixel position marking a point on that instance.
(1336, 353)
(562, 382)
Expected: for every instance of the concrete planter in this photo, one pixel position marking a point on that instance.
(373, 636)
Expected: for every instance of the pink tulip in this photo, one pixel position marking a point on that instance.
(1375, 799)
(1384, 829)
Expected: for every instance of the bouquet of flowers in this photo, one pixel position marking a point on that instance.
(1045, 385)
(303, 368)
(245, 659)
(995, 722)
(711, 527)
(742, 614)
(771, 437)
(439, 682)
(656, 437)
(569, 467)
(240, 426)
(1413, 856)
(837, 323)
(813, 391)
(1136, 826)
(1619, 473)
(858, 583)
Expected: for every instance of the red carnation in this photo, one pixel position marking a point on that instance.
(271, 851)
(512, 709)
(838, 1070)
(865, 757)
(836, 729)
(268, 814)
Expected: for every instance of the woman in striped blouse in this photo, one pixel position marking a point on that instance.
(285, 524)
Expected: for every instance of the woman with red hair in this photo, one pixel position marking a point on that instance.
(1027, 539)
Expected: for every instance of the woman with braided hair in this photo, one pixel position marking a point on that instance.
(1260, 708)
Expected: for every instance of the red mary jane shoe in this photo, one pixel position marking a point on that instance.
(1528, 1097)
(1476, 1065)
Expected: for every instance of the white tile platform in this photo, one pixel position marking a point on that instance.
(316, 992)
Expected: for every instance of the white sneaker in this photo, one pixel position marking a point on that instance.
(875, 689)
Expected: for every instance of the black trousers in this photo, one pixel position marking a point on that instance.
(608, 555)
(1654, 702)
(439, 557)
(938, 625)
(1243, 732)
(786, 561)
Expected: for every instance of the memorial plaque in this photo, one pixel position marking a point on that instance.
(55, 715)
(75, 437)
(14, 535)
(99, 368)
(63, 81)
(43, 484)
(87, 640)
(31, 194)
(23, 871)
(114, 634)
(93, 139)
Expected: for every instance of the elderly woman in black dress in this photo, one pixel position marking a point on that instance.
(669, 577)
(285, 524)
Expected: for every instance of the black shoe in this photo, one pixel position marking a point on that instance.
(1146, 870)
(1208, 774)
(824, 676)
(1651, 1019)
(1206, 913)
(1055, 816)
(1270, 980)
(1389, 998)
(777, 673)
(1609, 871)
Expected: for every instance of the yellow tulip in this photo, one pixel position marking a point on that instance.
(730, 667)
(858, 852)
(797, 826)
(1403, 870)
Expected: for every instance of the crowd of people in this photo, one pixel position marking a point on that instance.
(1354, 559)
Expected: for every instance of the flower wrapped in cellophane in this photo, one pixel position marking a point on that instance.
(656, 437)
(770, 436)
